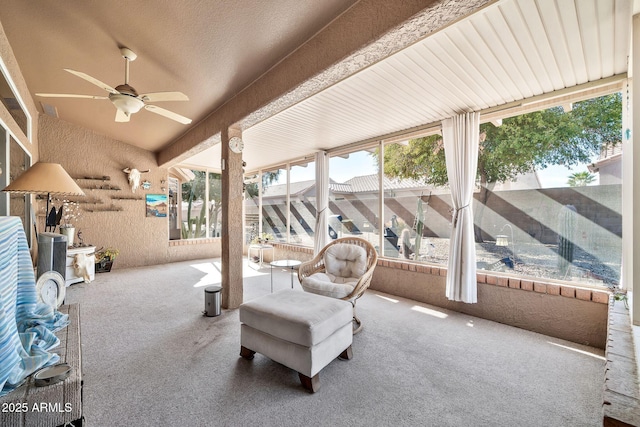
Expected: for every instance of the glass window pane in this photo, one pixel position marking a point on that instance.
(354, 197)
(417, 201)
(274, 205)
(11, 103)
(303, 204)
(194, 208)
(174, 201)
(251, 208)
(556, 222)
(215, 204)
(19, 203)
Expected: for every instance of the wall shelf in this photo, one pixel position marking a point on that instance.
(126, 198)
(75, 199)
(101, 187)
(95, 178)
(111, 208)
(88, 200)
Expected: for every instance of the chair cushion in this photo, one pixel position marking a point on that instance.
(345, 260)
(323, 284)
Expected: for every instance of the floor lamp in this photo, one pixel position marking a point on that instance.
(45, 178)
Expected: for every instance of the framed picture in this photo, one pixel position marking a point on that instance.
(157, 205)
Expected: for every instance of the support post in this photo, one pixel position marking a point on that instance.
(232, 222)
(631, 180)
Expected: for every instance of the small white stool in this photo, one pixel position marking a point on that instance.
(300, 330)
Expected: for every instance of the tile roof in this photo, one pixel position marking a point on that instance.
(368, 183)
(279, 190)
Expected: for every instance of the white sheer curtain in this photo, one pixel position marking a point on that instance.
(322, 201)
(461, 138)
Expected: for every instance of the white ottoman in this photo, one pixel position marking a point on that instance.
(300, 330)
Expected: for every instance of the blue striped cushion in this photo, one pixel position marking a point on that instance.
(26, 326)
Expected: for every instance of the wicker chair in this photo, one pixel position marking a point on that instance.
(315, 278)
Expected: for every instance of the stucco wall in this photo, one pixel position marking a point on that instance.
(561, 315)
(141, 240)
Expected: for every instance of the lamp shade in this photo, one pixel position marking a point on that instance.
(45, 178)
(502, 240)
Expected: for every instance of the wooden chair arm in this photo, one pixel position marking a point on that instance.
(308, 268)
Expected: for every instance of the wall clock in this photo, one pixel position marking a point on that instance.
(51, 289)
(236, 144)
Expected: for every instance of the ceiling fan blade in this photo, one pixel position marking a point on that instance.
(70, 95)
(168, 114)
(121, 116)
(93, 80)
(164, 96)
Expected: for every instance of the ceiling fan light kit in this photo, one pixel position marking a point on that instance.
(127, 103)
(125, 98)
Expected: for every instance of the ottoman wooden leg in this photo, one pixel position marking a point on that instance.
(311, 384)
(347, 354)
(246, 353)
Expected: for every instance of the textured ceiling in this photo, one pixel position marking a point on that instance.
(505, 54)
(208, 50)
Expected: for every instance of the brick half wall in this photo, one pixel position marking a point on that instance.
(556, 309)
(561, 311)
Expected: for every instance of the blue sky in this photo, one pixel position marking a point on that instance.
(557, 176)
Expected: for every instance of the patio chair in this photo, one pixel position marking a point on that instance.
(343, 269)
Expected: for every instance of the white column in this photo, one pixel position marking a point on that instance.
(4, 177)
(260, 203)
(631, 184)
(322, 202)
(288, 210)
(207, 220)
(381, 239)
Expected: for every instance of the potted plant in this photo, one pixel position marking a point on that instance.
(70, 212)
(104, 259)
(262, 238)
(621, 295)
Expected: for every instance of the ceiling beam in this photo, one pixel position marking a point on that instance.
(364, 34)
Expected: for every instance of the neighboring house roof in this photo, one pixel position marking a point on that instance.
(340, 188)
(608, 155)
(279, 190)
(369, 183)
(595, 167)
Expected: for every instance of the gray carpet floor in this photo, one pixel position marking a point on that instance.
(150, 358)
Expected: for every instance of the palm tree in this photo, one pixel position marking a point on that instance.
(580, 179)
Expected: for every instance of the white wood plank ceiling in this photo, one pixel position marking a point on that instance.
(509, 51)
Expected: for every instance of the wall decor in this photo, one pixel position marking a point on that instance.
(156, 205)
(133, 176)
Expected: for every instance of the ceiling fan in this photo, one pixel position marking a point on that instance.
(125, 98)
